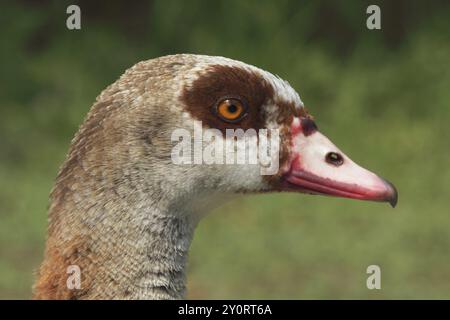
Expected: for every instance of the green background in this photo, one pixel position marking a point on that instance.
(382, 96)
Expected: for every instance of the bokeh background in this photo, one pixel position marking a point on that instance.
(383, 96)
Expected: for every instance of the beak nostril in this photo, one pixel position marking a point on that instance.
(334, 158)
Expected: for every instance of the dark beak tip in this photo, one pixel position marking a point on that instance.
(392, 198)
(393, 201)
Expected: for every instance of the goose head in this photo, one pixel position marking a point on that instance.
(211, 100)
(158, 148)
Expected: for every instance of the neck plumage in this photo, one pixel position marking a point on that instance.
(125, 245)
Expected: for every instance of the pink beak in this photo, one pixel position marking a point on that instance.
(317, 166)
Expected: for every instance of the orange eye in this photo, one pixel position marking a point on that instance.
(231, 110)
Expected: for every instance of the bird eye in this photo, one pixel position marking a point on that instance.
(334, 158)
(231, 110)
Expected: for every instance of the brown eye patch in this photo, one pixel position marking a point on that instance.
(220, 82)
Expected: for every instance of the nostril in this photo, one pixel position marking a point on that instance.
(334, 158)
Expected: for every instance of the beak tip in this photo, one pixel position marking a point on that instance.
(392, 197)
(393, 202)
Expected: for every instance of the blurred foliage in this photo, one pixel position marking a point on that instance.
(383, 96)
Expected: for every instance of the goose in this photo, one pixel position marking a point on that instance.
(124, 214)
